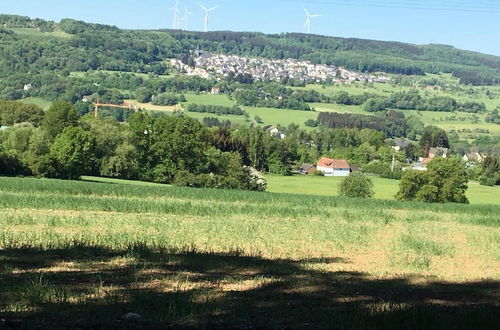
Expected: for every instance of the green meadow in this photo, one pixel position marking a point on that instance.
(42, 103)
(36, 34)
(82, 254)
(383, 188)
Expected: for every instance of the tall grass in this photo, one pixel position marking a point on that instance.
(235, 258)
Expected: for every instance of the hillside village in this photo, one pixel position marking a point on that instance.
(210, 66)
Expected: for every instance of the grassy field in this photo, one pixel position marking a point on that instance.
(209, 99)
(384, 188)
(83, 254)
(44, 104)
(36, 34)
(440, 119)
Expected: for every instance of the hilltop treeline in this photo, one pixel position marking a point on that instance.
(101, 47)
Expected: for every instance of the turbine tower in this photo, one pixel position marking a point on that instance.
(308, 20)
(187, 13)
(175, 9)
(207, 12)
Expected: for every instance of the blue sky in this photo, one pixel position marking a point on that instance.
(466, 24)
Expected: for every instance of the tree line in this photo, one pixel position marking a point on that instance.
(157, 148)
(216, 109)
(165, 149)
(393, 124)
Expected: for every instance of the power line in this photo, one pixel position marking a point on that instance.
(441, 6)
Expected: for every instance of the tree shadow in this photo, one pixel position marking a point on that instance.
(92, 287)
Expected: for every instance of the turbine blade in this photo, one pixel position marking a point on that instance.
(307, 13)
(203, 7)
(213, 8)
(315, 16)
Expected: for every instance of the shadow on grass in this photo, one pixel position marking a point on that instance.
(91, 287)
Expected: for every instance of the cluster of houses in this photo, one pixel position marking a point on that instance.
(470, 158)
(341, 167)
(209, 65)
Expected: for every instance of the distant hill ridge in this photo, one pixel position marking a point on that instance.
(134, 49)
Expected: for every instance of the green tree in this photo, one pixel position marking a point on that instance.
(433, 137)
(143, 95)
(444, 181)
(72, 153)
(177, 143)
(356, 186)
(59, 116)
(122, 163)
(491, 171)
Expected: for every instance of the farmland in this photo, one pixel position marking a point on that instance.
(212, 258)
(467, 124)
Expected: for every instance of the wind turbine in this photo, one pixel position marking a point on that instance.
(187, 13)
(176, 15)
(308, 20)
(207, 11)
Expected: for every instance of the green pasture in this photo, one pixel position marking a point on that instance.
(285, 117)
(42, 103)
(209, 99)
(383, 188)
(82, 254)
(32, 33)
(269, 116)
(444, 120)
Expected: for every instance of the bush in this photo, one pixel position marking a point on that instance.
(357, 186)
(168, 99)
(491, 181)
(311, 123)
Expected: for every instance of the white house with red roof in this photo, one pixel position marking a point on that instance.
(334, 167)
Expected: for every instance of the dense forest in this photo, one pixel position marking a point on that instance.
(78, 46)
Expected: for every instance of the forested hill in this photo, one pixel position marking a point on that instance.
(35, 45)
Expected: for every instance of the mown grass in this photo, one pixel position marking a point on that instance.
(36, 34)
(42, 103)
(82, 254)
(383, 188)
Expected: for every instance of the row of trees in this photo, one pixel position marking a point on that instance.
(216, 109)
(393, 124)
(168, 149)
(302, 146)
(414, 101)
